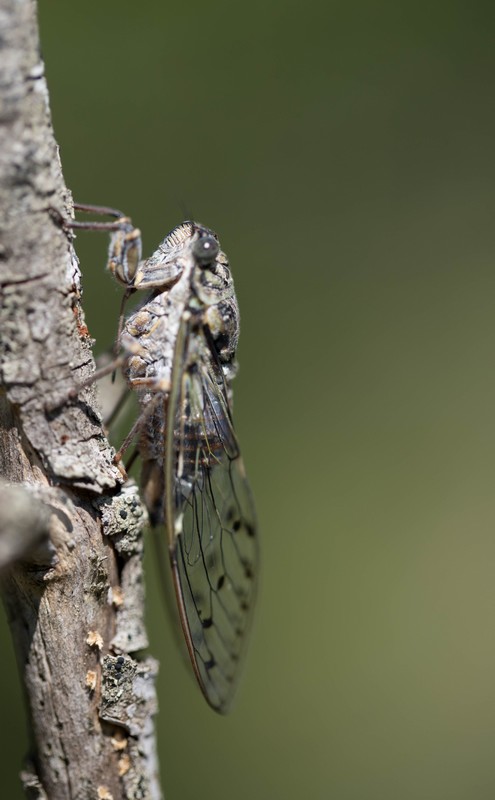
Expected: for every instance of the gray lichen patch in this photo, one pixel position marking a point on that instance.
(128, 692)
(131, 636)
(123, 518)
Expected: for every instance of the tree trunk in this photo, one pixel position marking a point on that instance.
(70, 544)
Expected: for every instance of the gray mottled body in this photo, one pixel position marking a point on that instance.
(194, 295)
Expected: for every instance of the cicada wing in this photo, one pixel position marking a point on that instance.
(211, 522)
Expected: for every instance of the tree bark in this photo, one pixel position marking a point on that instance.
(70, 544)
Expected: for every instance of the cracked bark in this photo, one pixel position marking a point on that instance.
(70, 545)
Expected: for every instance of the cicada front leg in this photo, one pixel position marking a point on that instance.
(124, 251)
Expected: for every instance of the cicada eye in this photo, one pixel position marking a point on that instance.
(206, 249)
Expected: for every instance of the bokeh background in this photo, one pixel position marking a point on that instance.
(344, 151)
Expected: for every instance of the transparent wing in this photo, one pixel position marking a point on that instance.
(210, 520)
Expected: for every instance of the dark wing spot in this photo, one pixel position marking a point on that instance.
(210, 560)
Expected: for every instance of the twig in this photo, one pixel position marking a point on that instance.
(75, 601)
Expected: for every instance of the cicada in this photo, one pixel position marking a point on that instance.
(178, 351)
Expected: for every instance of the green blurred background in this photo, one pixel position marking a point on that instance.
(344, 153)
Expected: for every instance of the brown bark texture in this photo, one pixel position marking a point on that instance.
(70, 531)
